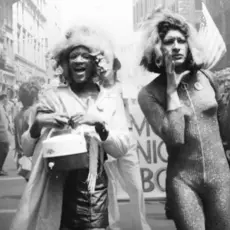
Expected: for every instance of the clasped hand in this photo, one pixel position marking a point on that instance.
(57, 120)
(87, 119)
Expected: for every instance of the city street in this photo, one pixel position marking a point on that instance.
(11, 188)
(82, 64)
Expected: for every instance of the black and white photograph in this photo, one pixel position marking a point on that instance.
(114, 115)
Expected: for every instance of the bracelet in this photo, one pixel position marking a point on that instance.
(35, 131)
(101, 130)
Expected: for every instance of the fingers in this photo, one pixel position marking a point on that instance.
(77, 117)
(63, 116)
(57, 125)
(182, 75)
(172, 66)
(169, 63)
(74, 120)
(60, 122)
(185, 73)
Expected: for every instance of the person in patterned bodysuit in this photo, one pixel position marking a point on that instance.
(183, 108)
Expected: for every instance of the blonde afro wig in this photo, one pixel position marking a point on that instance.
(90, 36)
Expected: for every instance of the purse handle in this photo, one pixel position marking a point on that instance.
(53, 130)
(50, 133)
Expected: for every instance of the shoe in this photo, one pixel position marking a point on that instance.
(3, 173)
(168, 214)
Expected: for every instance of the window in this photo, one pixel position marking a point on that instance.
(149, 5)
(141, 9)
(175, 7)
(12, 49)
(39, 55)
(7, 13)
(11, 16)
(18, 42)
(23, 9)
(31, 47)
(1, 13)
(23, 43)
(35, 52)
(9, 48)
(134, 16)
(6, 47)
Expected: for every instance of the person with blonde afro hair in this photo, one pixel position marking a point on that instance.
(77, 198)
(125, 169)
(185, 110)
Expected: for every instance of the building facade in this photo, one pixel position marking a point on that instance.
(141, 8)
(53, 32)
(30, 44)
(191, 9)
(7, 70)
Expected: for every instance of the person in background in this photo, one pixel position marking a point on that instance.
(16, 102)
(185, 110)
(4, 133)
(10, 108)
(126, 171)
(28, 96)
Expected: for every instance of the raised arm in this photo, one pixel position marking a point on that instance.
(43, 111)
(168, 124)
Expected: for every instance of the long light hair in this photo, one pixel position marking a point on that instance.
(155, 27)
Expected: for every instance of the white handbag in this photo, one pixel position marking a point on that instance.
(65, 150)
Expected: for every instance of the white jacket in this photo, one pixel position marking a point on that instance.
(41, 204)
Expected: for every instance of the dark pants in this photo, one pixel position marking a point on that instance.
(167, 203)
(85, 229)
(4, 149)
(82, 210)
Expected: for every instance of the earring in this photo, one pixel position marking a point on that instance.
(158, 62)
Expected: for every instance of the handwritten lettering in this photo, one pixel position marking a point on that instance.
(147, 183)
(144, 125)
(146, 152)
(160, 179)
(160, 152)
(154, 154)
(151, 181)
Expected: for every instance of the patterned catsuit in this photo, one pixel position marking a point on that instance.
(198, 178)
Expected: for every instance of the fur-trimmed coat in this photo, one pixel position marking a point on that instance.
(41, 203)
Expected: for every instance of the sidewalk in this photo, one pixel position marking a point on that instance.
(13, 185)
(154, 213)
(10, 165)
